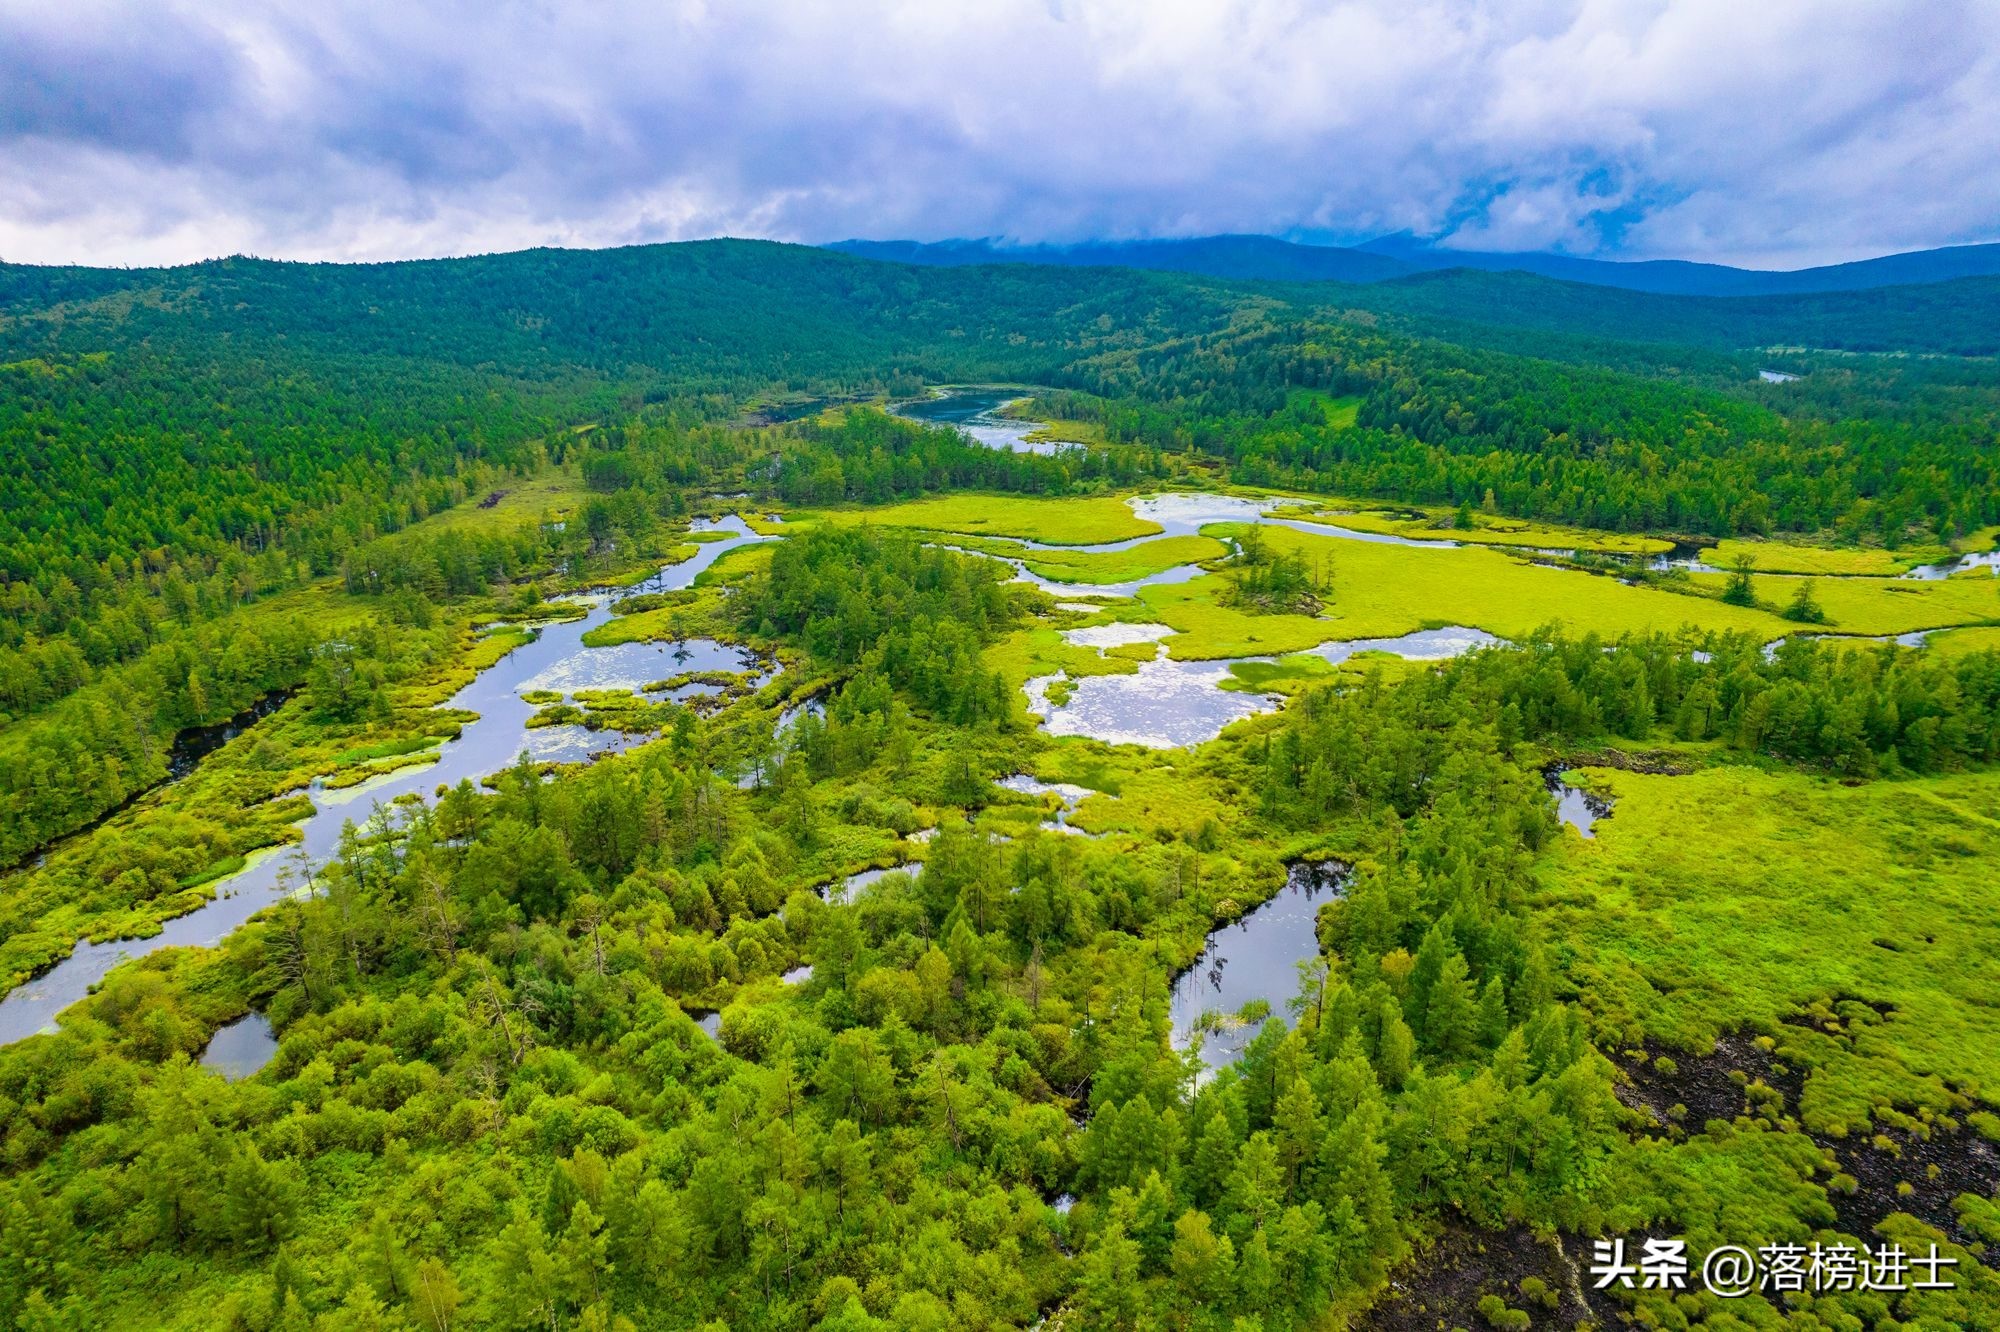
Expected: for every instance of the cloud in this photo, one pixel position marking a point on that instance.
(1779, 132)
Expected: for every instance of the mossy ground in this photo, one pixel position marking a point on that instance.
(1734, 896)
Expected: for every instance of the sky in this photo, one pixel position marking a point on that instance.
(1768, 133)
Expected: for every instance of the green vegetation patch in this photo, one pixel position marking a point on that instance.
(1736, 896)
(1083, 520)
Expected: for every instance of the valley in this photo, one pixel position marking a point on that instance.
(733, 848)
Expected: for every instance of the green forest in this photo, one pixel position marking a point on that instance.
(1362, 796)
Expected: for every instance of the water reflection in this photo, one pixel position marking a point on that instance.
(1068, 794)
(976, 412)
(1987, 560)
(1168, 704)
(633, 666)
(1575, 806)
(240, 1048)
(1165, 704)
(842, 891)
(1253, 960)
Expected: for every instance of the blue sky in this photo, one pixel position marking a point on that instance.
(1774, 133)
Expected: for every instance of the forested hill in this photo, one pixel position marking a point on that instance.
(192, 408)
(713, 313)
(1959, 318)
(1267, 258)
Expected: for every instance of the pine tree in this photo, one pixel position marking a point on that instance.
(1492, 1023)
(1451, 1016)
(1398, 1048)
(1297, 1126)
(1203, 1263)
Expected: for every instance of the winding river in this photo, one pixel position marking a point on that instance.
(557, 657)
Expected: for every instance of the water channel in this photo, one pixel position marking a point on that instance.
(556, 658)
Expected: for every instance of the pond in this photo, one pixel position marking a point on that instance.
(483, 747)
(1255, 959)
(1575, 806)
(240, 1048)
(976, 412)
(1165, 704)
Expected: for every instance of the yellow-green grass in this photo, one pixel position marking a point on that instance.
(1880, 605)
(550, 493)
(1101, 566)
(1073, 521)
(1096, 566)
(1120, 566)
(1486, 530)
(1736, 896)
(1067, 432)
(1340, 412)
(1289, 675)
(1960, 642)
(763, 526)
(1383, 591)
(1800, 558)
(674, 554)
(665, 621)
(1026, 653)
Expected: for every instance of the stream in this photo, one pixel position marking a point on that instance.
(495, 740)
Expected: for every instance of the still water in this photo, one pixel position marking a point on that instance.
(976, 412)
(1575, 806)
(1068, 794)
(483, 747)
(238, 1049)
(1168, 704)
(1256, 958)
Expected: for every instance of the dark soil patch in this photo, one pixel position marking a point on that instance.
(1441, 1287)
(1656, 763)
(1738, 1078)
(1964, 1161)
(1688, 1090)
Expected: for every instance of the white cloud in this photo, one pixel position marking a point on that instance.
(1776, 132)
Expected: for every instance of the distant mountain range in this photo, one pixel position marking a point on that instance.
(1266, 258)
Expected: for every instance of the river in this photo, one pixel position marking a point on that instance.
(495, 740)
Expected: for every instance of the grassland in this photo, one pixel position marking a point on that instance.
(1736, 896)
(1957, 642)
(1880, 605)
(1801, 557)
(1105, 566)
(1078, 521)
(1418, 524)
(1382, 591)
